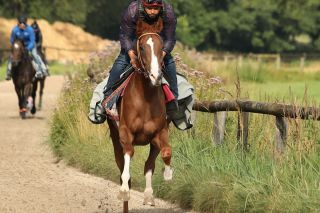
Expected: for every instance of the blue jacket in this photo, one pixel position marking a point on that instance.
(27, 36)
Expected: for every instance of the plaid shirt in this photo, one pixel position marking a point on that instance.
(128, 27)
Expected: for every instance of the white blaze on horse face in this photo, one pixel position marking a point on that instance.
(154, 72)
(16, 46)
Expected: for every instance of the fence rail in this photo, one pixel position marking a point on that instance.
(57, 48)
(244, 107)
(69, 50)
(4, 52)
(281, 110)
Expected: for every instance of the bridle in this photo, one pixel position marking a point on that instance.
(143, 71)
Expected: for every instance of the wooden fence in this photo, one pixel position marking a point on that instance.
(283, 61)
(244, 107)
(4, 53)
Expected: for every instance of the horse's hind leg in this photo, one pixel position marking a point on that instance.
(33, 95)
(163, 142)
(148, 172)
(41, 92)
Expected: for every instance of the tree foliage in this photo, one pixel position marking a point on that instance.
(228, 25)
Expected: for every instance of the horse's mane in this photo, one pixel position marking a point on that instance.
(144, 27)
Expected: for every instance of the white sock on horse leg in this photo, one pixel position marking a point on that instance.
(149, 181)
(126, 173)
(148, 192)
(167, 174)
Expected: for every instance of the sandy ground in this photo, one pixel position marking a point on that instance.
(30, 179)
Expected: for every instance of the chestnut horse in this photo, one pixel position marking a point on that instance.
(23, 78)
(142, 113)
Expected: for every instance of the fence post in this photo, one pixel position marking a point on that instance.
(225, 60)
(243, 130)
(219, 126)
(192, 132)
(302, 60)
(278, 61)
(259, 60)
(240, 60)
(281, 134)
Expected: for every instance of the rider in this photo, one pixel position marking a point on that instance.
(38, 39)
(38, 35)
(25, 33)
(148, 11)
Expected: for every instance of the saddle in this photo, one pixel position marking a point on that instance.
(102, 107)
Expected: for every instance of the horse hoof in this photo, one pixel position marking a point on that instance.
(33, 110)
(124, 195)
(23, 112)
(23, 115)
(167, 174)
(148, 197)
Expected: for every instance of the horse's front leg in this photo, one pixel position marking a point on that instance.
(28, 94)
(148, 172)
(19, 97)
(21, 102)
(126, 139)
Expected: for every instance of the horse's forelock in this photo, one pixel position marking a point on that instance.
(17, 44)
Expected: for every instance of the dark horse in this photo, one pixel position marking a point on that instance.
(142, 114)
(42, 80)
(23, 78)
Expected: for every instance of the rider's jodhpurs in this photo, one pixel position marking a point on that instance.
(123, 61)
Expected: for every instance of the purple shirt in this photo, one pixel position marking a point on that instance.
(128, 27)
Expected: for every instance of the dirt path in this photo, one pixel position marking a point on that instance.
(31, 181)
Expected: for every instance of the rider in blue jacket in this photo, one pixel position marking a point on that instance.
(26, 34)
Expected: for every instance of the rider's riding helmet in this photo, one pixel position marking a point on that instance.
(152, 3)
(35, 26)
(23, 19)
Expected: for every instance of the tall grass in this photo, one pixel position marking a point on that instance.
(207, 178)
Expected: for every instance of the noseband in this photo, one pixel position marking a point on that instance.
(143, 71)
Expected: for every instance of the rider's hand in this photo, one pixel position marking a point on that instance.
(134, 63)
(133, 59)
(164, 54)
(132, 54)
